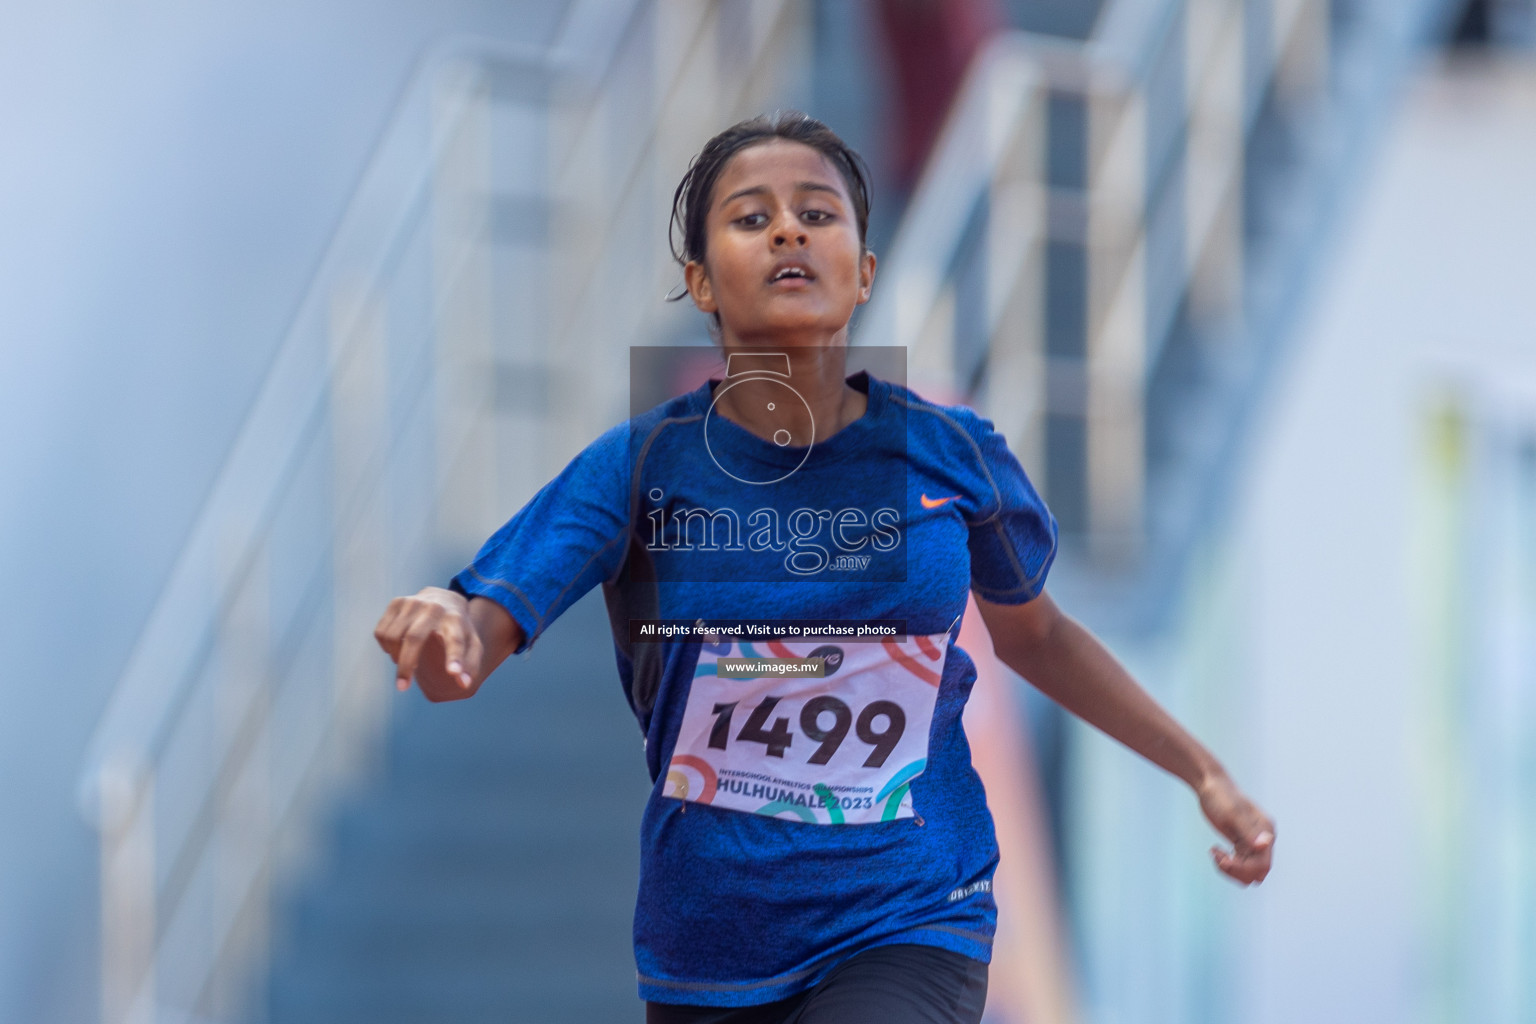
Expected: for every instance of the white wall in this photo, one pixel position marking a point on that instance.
(1432, 294)
(1304, 655)
(171, 173)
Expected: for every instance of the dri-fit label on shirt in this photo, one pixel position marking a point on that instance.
(837, 750)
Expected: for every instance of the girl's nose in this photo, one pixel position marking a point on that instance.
(787, 229)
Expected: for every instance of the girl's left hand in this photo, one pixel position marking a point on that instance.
(1239, 819)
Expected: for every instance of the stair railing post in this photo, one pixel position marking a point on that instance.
(1214, 144)
(125, 796)
(240, 840)
(1017, 218)
(360, 552)
(464, 370)
(1116, 321)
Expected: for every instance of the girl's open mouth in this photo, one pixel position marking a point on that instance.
(791, 275)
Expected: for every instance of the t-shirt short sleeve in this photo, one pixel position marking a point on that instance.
(1013, 541)
(572, 536)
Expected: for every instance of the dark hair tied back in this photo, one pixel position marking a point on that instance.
(690, 203)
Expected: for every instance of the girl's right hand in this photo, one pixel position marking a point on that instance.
(433, 640)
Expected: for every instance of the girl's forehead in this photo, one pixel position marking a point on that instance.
(774, 164)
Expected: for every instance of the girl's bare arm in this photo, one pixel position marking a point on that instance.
(1069, 665)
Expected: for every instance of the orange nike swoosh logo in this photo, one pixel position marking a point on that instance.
(936, 502)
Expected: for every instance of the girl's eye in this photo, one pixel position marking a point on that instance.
(815, 216)
(753, 220)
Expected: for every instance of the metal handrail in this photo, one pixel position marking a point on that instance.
(151, 691)
(1168, 105)
(989, 169)
(282, 422)
(217, 748)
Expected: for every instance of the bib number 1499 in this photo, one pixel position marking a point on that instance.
(838, 749)
(880, 724)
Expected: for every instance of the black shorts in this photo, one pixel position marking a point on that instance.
(884, 985)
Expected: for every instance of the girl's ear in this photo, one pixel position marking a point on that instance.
(866, 276)
(697, 280)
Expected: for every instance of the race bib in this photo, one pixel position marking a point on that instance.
(842, 749)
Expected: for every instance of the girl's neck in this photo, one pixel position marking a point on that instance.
(816, 373)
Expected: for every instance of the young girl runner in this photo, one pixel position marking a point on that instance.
(815, 848)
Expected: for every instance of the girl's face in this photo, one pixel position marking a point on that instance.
(782, 255)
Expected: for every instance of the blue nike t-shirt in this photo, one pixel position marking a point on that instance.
(793, 822)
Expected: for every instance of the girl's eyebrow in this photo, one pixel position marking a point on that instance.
(762, 190)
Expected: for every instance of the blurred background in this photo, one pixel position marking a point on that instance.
(299, 301)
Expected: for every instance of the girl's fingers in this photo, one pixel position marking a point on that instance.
(1248, 828)
(453, 649)
(410, 650)
(1228, 865)
(387, 631)
(1249, 869)
(474, 651)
